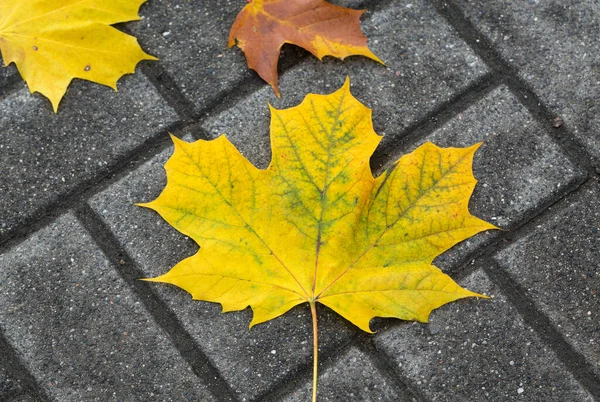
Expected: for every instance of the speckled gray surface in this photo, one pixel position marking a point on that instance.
(76, 323)
(557, 266)
(79, 329)
(190, 39)
(45, 156)
(478, 350)
(555, 50)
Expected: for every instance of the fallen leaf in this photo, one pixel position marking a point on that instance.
(324, 29)
(52, 42)
(315, 226)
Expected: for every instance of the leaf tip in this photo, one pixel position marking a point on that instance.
(145, 204)
(346, 85)
(148, 56)
(177, 142)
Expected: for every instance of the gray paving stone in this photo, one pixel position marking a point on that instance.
(190, 39)
(478, 350)
(8, 385)
(250, 360)
(558, 267)
(554, 45)
(426, 65)
(7, 74)
(518, 166)
(22, 398)
(79, 329)
(44, 155)
(353, 377)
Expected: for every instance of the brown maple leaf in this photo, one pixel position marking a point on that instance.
(263, 26)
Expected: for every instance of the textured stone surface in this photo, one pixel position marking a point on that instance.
(7, 74)
(518, 166)
(426, 65)
(45, 155)
(478, 350)
(558, 267)
(78, 327)
(8, 385)
(190, 39)
(250, 360)
(554, 45)
(353, 377)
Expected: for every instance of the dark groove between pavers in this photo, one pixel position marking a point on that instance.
(542, 325)
(17, 371)
(162, 82)
(506, 74)
(156, 307)
(525, 227)
(13, 84)
(129, 162)
(168, 89)
(387, 152)
(385, 366)
(295, 379)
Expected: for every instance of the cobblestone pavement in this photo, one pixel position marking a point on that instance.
(523, 76)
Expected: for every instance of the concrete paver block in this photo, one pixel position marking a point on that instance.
(478, 350)
(554, 46)
(46, 155)
(557, 265)
(79, 329)
(519, 168)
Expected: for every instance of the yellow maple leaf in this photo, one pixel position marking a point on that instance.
(52, 42)
(315, 226)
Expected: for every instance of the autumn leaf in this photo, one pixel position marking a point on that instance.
(324, 29)
(315, 226)
(52, 42)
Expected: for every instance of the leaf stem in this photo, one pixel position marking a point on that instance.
(313, 312)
